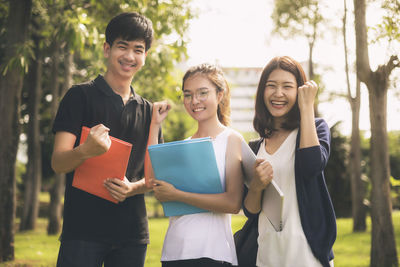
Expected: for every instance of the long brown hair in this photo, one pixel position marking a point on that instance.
(215, 75)
(263, 120)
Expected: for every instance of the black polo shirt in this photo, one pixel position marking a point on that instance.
(87, 217)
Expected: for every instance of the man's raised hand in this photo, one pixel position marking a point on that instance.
(98, 141)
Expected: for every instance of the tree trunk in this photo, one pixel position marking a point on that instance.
(311, 42)
(357, 185)
(383, 244)
(68, 66)
(311, 75)
(310, 60)
(55, 207)
(57, 190)
(10, 96)
(54, 224)
(34, 170)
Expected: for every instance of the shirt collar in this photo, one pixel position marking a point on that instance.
(107, 90)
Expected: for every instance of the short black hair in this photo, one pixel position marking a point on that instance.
(130, 26)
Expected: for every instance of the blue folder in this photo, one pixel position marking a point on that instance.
(190, 166)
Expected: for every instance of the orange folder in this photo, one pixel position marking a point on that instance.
(90, 175)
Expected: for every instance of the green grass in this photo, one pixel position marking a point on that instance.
(158, 228)
(353, 249)
(35, 248)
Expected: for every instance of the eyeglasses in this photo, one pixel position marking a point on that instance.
(200, 94)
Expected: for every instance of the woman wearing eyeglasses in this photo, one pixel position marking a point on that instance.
(204, 239)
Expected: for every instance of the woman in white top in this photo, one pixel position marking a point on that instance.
(203, 239)
(293, 150)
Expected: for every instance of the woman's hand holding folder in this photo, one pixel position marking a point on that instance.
(164, 191)
(262, 178)
(263, 175)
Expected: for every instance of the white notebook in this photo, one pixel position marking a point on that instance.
(272, 203)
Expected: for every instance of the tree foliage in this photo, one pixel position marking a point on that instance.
(389, 28)
(297, 17)
(394, 153)
(337, 177)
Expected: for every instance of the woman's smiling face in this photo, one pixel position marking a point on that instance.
(280, 93)
(200, 97)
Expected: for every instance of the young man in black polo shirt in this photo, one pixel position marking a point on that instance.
(96, 231)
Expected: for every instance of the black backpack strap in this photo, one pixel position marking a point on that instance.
(255, 145)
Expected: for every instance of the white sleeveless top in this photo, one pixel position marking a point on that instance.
(206, 234)
(289, 247)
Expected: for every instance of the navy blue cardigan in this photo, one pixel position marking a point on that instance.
(315, 206)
